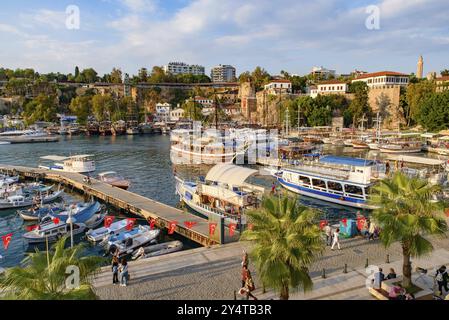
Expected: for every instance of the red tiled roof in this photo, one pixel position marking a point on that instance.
(334, 81)
(280, 80)
(443, 78)
(380, 74)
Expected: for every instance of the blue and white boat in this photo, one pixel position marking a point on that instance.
(127, 242)
(341, 180)
(82, 212)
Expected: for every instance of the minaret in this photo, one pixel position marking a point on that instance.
(419, 71)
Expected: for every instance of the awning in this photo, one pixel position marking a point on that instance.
(231, 174)
(54, 158)
(415, 159)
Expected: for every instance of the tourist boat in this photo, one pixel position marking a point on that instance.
(224, 192)
(105, 128)
(146, 128)
(115, 180)
(93, 128)
(27, 136)
(341, 180)
(74, 129)
(14, 189)
(374, 146)
(132, 128)
(118, 128)
(99, 234)
(51, 231)
(27, 200)
(401, 147)
(439, 145)
(358, 144)
(77, 164)
(127, 242)
(157, 250)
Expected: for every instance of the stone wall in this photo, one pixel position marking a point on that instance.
(392, 114)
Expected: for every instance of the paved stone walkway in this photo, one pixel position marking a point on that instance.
(214, 273)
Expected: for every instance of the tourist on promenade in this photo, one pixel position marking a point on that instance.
(336, 239)
(245, 259)
(378, 278)
(365, 229)
(328, 232)
(248, 287)
(442, 278)
(387, 168)
(244, 274)
(124, 275)
(273, 189)
(115, 266)
(397, 292)
(371, 231)
(392, 274)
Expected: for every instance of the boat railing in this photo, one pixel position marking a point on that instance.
(336, 173)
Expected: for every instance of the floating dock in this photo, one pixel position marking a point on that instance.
(130, 202)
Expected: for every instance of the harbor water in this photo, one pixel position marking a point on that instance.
(144, 160)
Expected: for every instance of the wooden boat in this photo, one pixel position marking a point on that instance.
(357, 144)
(118, 128)
(112, 178)
(401, 147)
(93, 128)
(132, 128)
(157, 250)
(105, 128)
(146, 128)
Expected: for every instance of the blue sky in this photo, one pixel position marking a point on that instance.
(292, 35)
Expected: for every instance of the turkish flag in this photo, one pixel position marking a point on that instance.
(250, 226)
(6, 240)
(232, 227)
(56, 220)
(323, 223)
(108, 220)
(344, 221)
(31, 228)
(130, 222)
(152, 223)
(190, 224)
(212, 228)
(172, 227)
(360, 222)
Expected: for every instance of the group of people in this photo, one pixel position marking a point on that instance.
(247, 280)
(369, 230)
(397, 166)
(332, 237)
(119, 269)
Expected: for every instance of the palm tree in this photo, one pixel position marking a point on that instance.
(407, 213)
(286, 241)
(43, 275)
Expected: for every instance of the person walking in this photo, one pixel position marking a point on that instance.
(328, 232)
(249, 286)
(244, 274)
(442, 278)
(392, 274)
(336, 239)
(379, 276)
(371, 231)
(387, 168)
(115, 266)
(124, 274)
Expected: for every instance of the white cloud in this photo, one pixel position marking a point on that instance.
(140, 5)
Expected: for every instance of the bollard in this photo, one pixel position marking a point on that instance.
(366, 263)
(323, 274)
(235, 295)
(345, 270)
(264, 289)
(388, 258)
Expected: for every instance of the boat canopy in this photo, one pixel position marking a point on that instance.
(347, 161)
(415, 159)
(230, 174)
(62, 158)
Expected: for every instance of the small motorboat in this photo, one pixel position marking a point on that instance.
(157, 250)
(26, 200)
(80, 211)
(112, 178)
(53, 231)
(100, 234)
(128, 241)
(34, 214)
(7, 180)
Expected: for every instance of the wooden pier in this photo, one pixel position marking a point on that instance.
(130, 202)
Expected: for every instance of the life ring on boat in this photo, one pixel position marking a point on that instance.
(6, 195)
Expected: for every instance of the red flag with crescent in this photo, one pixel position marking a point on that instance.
(31, 228)
(190, 224)
(6, 240)
(232, 227)
(344, 221)
(212, 228)
(152, 224)
(130, 222)
(323, 223)
(360, 222)
(172, 227)
(108, 220)
(56, 220)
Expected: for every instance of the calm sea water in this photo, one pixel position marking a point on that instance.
(144, 160)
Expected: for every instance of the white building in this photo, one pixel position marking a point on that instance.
(176, 68)
(322, 72)
(332, 87)
(279, 86)
(223, 73)
(204, 102)
(384, 79)
(163, 111)
(176, 114)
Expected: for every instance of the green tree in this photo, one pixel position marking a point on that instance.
(102, 106)
(87, 76)
(193, 110)
(81, 107)
(143, 75)
(43, 276)
(406, 213)
(434, 111)
(444, 73)
(41, 108)
(116, 76)
(77, 72)
(359, 106)
(416, 94)
(286, 240)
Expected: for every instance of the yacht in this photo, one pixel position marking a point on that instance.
(341, 180)
(76, 164)
(401, 147)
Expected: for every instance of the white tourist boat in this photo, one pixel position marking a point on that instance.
(439, 145)
(401, 147)
(341, 180)
(76, 164)
(53, 232)
(157, 250)
(99, 234)
(224, 192)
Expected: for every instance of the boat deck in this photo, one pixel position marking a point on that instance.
(125, 200)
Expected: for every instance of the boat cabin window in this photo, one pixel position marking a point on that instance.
(353, 190)
(335, 186)
(319, 183)
(304, 180)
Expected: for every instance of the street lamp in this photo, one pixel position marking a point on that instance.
(71, 220)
